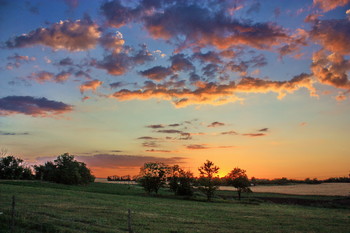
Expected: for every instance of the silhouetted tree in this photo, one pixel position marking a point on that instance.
(180, 181)
(207, 182)
(153, 176)
(13, 168)
(65, 170)
(238, 179)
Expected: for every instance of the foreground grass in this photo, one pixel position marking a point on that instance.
(46, 207)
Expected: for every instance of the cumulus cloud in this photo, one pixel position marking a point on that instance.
(112, 41)
(120, 63)
(44, 76)
(116, 63)
(17, 60)
(331, 69)
(332, 34)
(189, 24)
(179, 62)
(157, 73)
(70, 35)
(32, 106)
(217, 94)
(90, 85)
(327, 5)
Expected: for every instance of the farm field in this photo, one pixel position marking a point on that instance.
(102, 207)
(327, 189)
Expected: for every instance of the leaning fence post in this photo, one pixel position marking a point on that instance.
(129, 221)
(13, 214)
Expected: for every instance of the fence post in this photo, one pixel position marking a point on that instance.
(13, 214)
(129, 221)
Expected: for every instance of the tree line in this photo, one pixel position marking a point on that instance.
(154, 175)
(64, 170)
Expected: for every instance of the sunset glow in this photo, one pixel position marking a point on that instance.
(260, 85)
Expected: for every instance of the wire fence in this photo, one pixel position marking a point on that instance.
(15, 217)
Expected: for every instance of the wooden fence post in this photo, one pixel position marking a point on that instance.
(13, 214)
(129, 221)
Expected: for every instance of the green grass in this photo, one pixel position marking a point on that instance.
(47, 207)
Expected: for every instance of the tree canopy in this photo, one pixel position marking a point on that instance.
(238, 179)
(153, 176)
(14, 168)
(65, 170)
(207, 183)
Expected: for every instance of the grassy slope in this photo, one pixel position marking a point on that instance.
(45, 207)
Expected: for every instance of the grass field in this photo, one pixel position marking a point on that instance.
(99, 207)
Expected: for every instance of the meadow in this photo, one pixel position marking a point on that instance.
(102, 207)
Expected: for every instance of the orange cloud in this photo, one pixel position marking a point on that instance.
(327, 5)
(70, 35)
(254, 134)
(331, 69)
(217, 94)
(333, 35)
(90, 85)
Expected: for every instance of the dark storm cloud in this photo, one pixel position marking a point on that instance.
(33, 106)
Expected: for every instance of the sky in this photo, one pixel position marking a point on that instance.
(258, 84)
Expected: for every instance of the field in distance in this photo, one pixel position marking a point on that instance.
(326, 189)
(102, 207)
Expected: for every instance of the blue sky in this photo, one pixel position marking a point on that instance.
(262, 85)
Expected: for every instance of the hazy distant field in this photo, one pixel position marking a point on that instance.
(327, 189)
